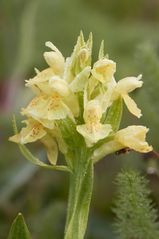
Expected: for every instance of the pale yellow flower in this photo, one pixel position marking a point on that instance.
(103, 70)
(50, 108)
(35, 131)
(133, 137)
(125, 86)
(31, 133)
(47, 83)
(93, 130)
(65, 92)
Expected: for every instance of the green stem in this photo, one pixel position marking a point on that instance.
(81, 184)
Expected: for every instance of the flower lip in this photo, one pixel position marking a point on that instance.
(31, 133)
(93, 130)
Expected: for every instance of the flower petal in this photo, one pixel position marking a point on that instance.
(59, 85)
(95, 134)
(128, 84)
(56, 133)
(92, 112)
(51, 148)
(54, 58)
(41, 76)
(132, 106)
(40, 83)
(37, 108)
(68, 97)
(58, 111)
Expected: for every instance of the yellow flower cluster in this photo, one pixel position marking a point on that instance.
(75, 88)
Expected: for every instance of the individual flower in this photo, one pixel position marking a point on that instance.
(35, 131)
(123, 88)
(133, 137)
(103, 70)
(48, 108)
(61, 87)
(93, 130)
(31, 133)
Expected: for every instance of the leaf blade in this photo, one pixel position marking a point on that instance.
(19, 229)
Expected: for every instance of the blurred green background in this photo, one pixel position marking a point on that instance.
(130, 30)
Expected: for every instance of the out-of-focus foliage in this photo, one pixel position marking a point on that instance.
(136, 216)
(126, 27)
(148, 63)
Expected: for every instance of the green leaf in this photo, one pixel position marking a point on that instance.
(19, 229)
(114, 114)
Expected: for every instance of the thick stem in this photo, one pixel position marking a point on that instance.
(81, 184)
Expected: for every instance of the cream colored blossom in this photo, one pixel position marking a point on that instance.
(31, 133)
(47, 85)
(35, 131)
(93, 130)
(103, 70)
(123, 88)
(48, 108)
(133, 137)
(65, 92)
